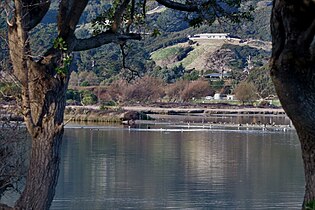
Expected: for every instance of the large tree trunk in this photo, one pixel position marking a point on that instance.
(43, 104)
(43, 171)
(293, 73)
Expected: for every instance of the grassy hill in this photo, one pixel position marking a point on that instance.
(196, 56)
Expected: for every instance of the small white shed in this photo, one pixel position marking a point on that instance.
(217, 96)
(230, 97)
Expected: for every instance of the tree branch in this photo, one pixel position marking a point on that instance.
(36, 12)
(118, 15)
(131, 18)
(69, 15)
(178, 6)
(102, 39)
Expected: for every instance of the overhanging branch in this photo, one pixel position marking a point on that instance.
(102, 39)
(178, 6)
(36, 12)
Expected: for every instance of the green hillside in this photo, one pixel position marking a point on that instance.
(170, 48)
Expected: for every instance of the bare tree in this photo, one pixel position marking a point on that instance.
(245, 92)
(174, 91)
(146, 89)
(196, 89)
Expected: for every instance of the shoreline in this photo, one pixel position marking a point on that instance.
(202, 117)
(156, 125)
(164, 112)
(206, 110)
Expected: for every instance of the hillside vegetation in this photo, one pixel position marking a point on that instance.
(198, 54)
(168, 55)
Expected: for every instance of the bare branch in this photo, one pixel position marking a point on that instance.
(102, 39)
(134, 73)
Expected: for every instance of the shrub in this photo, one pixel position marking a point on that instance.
(174, 91)
(108, 103)
(146, 89)
(245, 92)
(115, 90)
(84, 84)
(88, 98)
(73, 95)
(196, 89)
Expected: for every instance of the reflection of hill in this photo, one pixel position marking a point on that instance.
(153, 170)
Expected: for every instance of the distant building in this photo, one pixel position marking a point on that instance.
(213, 36)
(217, 96)
(218, 76)
(230, 97)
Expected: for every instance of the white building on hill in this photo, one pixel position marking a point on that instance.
(212, 36)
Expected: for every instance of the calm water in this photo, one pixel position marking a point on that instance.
(116, 168)
(224, 118)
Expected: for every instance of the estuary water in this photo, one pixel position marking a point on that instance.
(154, 167)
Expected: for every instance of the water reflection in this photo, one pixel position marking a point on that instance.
(233, 119)
(121, 168)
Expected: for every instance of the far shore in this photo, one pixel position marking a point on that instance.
(160, 112)
(193, 109)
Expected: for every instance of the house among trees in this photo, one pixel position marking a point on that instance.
(204, 36)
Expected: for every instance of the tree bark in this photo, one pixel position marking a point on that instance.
(308, 153)
(293, 74)
(43, 104)
(44, 169)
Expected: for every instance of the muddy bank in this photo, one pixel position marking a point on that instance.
(109, 115)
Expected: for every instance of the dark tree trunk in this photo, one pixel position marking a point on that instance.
(293, 73)
(43, 171)
(46, 142)
(43, 104)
